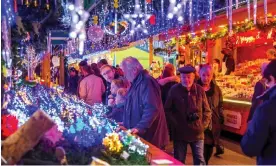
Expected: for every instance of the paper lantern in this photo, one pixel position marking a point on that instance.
(152, 20)
(148, 1)
(95, 33)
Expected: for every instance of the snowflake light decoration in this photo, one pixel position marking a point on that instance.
(138, 19)
(177, 9)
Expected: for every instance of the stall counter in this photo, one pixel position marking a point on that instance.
(235, 113)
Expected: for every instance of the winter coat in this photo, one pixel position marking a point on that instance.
(180, 104)
(166, 84)
(117, 112)
(215, 101)
(229, 62)
(73, 85)
(144, 110)
(260, 137)
(91, 89)
(258, 90)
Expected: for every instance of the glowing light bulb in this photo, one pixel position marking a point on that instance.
(170, 15)
(71, 7)
(180, 18)
(73, 34)
(179, 6)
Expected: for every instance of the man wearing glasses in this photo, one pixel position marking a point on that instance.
(109, 74)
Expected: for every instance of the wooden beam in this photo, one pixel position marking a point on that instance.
(46, 72)
(150, 50)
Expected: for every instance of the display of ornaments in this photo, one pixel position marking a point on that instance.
(95, 33)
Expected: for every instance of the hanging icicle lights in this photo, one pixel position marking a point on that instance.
(265, 10)
(255, 11)
(163, 24)
(9, 11)
(211, 9)
(79, 17)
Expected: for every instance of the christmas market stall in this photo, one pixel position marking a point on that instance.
(250, 41)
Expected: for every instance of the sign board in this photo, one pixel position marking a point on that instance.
(232, 119)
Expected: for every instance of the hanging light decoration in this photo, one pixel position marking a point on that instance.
(35, 3)
(79, 17)
(237, 4)
(230, 16)
(255, 11)
(191, 12)
(211, 9)
(27, 3)
(248, 9)
(265, 10)
(227, 8)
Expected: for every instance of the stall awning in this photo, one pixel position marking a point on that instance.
(59, 37)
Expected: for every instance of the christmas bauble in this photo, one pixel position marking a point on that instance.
(95, 33)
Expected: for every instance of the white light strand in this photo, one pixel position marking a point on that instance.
(9, 12)
(237, 4)
(230, 16)
(210, 9)
(191, 12)
(162, 8)
(79, 18)
(248, 9)
(227, 8)
(255, 11)
(265, 10)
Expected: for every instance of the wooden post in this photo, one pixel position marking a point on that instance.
(46, 73)
(61, 71)
(150, 50)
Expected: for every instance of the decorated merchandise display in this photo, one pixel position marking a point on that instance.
(82, 131)
(240, 84)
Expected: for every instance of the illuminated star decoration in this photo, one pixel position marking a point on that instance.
(177, 10)
(138, 19)
(79, 17)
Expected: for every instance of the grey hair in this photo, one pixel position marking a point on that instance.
(205, 67)
(132, 63)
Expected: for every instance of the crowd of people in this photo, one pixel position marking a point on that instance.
(186, 108)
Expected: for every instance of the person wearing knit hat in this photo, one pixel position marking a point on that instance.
(188, 112)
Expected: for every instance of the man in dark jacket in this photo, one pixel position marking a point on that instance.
(73, 81)
(188, 111)
(144, 114)
(260, 137)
